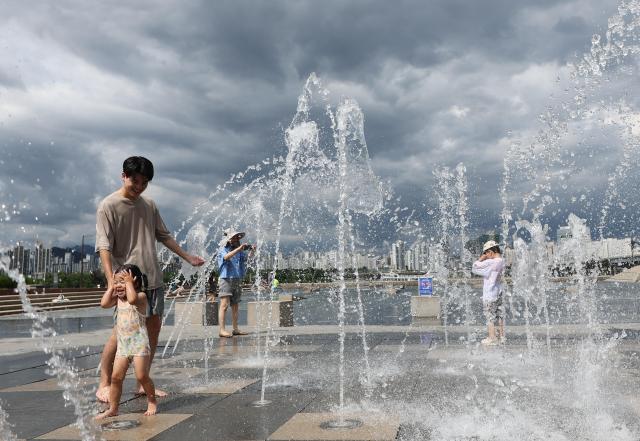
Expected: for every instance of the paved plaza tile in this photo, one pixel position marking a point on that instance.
(34, 414)
(221, 386)
(412, 386)
(126, 427)
(47, 385)
(319, 427)
(174, 372)
(238, 418)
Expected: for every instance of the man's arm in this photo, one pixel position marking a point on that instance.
(482, 267)
(173, 246)
(105, 242)
(232, 253)
(107, 266)
(164, 237)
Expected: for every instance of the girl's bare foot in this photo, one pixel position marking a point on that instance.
(159, 392)
(106, 414)
(152, 409)
(102, 394)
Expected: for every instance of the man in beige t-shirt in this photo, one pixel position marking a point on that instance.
(128, 226)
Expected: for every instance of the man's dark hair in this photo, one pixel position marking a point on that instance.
(138, 165)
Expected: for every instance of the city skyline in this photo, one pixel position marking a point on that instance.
(418, 256)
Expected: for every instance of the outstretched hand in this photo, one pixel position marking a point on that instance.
(195, 260)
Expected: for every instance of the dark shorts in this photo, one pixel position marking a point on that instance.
(494, 311)
(155, 302)
(230, 288)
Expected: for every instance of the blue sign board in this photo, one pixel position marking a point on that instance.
(425, 286)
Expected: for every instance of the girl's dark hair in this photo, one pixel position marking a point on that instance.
(141, 279)
(495, 249)
(138, 165)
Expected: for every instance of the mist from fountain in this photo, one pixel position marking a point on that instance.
(548, 165)
(58, 366)
(443, 179)
(359, 192)
(531, 277)
(302, 136)
(331, 157)
(5, 427)
(465, 255)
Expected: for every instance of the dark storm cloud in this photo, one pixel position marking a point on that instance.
(205, 89)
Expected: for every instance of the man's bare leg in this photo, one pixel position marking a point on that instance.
(492, 331)
(106, 367)
(502, 336)
(154, 324)
(222, 309)
(234, 319)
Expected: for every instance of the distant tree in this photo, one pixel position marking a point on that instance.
(474, 246)
(76, 280)
(6, 281)
(168, 276)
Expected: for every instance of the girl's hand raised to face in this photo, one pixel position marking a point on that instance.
(112, 292)
(128, 277)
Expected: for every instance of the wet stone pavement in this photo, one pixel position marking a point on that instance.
(414, 388)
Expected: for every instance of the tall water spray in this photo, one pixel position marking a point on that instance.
(446, 198)
(465, 254)
(360, 193)
(58, 366)
(531, 274)
(302, 140)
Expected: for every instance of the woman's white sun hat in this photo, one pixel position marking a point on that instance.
(228, 234)
(489, 244)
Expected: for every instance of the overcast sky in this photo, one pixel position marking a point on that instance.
(205, 89)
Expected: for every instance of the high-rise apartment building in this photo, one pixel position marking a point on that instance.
(398, 256)
(19, 259)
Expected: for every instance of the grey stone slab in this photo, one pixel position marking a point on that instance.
(23, 377)
(34, 414)
(17, 362)
(311, 426)
(51, 384)
(234, 418)
(199, 364)
(82, 356)
(38, 372)
(329, 400)
(175, 403)
(218, 386)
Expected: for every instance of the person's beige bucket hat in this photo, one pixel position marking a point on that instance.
(228, 234)
(489, 244)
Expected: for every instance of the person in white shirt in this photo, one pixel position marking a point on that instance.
(490, 266)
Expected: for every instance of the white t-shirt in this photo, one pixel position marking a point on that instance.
(491, 271)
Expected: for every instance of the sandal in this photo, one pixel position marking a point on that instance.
(225, 334)
(239, 332)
